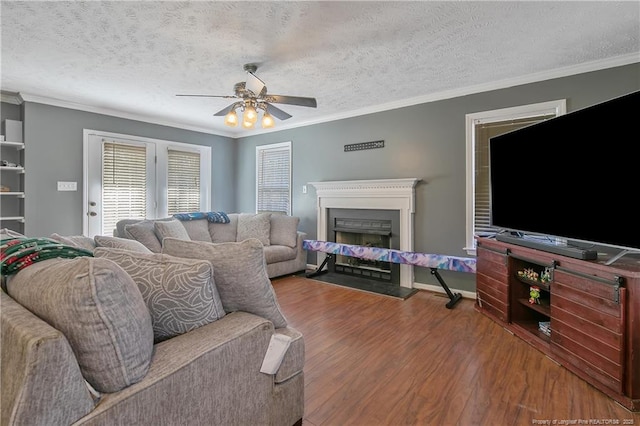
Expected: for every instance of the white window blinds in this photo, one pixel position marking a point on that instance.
(183, 182)
(273, 174)
(124, 183)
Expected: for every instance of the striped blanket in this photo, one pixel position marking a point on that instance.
(16, 253)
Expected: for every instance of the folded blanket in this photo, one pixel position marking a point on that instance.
(213, 217)
(17, 253)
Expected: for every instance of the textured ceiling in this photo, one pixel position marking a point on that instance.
(132, 58)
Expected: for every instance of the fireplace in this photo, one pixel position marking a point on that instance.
(369, 228)
(370, 196)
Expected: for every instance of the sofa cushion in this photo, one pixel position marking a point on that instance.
(99, 309)
(144, 232)
(121, 243)
(256, 226)
(170, 229)
(275, 254)
(240, 274)
(79, 241)
(180, 293)
(197, 229)
(284, 230)
(224, 232)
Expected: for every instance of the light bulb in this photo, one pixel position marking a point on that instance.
(231, 119)
(247, 124)
(267, 121)
(250, 114)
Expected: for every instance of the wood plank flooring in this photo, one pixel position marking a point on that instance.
(376, 360)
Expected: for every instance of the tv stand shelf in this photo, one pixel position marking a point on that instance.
(586, 316)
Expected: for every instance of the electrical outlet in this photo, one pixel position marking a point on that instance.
(67, 186)
(304, 189)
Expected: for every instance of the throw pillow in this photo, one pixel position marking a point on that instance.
(144, 232)
(254, 226)
(224, 232)
(79, 241)
(171, 229)
(121, 243)
(180, 293)
(99, 309)
(198, 230)
(284, 230)
(240, 273)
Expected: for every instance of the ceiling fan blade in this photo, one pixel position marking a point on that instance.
(213, 96)
(254, 84)
(291, 100)
(277, 112)
(225, 110)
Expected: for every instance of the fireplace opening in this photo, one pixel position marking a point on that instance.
(368, 228)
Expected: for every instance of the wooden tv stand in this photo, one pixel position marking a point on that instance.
(593, 311)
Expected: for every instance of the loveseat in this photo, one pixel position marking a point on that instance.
(278, 233)
(124, 336)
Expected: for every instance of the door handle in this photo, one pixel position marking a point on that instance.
(93, 214)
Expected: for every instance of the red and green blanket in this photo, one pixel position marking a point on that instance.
(17, 253)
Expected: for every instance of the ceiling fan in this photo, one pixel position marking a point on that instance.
(253, 97)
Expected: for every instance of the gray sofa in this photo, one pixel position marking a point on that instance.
(278, 233)
(128, 337)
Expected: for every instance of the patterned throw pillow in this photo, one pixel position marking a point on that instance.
(121, 243)
(99, 309)
(254, 226)
(180, 293)
(240, 274)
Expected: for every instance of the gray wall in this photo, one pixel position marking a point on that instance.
(425, 141)
(54, 152)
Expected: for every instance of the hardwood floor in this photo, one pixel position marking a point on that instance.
(377, 360)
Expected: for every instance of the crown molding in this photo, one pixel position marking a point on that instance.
(11, 98)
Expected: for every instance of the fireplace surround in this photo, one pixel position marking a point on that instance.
(377, 194)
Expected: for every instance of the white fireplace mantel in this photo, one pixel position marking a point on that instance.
(383, 194)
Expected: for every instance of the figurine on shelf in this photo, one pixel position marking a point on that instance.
(534, 295)
(529, 274)
(545, 277)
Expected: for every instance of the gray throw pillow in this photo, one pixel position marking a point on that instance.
(240, 273)
(79, 241)
(99, 309)
(171, 229)
(284, 230)
(180, 293)
(254, 226)
(121, 243)
(144, 232)
(224, 232)
(198, 229)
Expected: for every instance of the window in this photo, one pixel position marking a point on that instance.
(273, 178)
(124, 183)
(133, 177)
(183, 181)
(480, 127)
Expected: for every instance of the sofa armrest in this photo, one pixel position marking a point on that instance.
(194, 375)
(41, 380)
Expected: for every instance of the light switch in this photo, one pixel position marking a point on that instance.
(67, 186)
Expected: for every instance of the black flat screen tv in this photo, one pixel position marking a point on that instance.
(575, 176)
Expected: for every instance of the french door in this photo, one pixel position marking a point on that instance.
(120, 180)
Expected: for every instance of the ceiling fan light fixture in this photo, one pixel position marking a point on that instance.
(267, 121)
(231, 119)
(250, 114)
